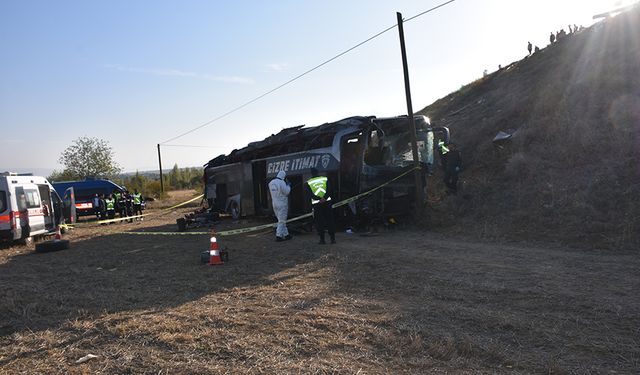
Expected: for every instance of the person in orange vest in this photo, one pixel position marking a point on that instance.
(320, 191)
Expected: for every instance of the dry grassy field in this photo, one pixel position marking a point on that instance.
(401, 301)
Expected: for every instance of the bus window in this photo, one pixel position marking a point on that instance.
(425, 147)
(393, 149)
(374, 153)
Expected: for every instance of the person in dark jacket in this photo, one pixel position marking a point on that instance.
(453, 167)
(319, 189)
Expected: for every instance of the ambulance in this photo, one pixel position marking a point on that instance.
(31, 208)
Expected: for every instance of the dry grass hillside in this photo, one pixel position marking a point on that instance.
(571, 173)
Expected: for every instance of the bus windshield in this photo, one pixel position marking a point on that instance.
(391, 147)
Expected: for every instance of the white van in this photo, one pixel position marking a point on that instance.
(30, 207)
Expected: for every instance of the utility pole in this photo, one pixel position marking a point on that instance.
(412, 122)
(160, 164)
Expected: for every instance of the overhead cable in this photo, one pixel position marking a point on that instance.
(302, 74)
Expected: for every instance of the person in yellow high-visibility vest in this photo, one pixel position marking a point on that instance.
(320, 191)
(110, 204)
(137, 204)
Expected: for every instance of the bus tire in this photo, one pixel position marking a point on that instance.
(49, 246)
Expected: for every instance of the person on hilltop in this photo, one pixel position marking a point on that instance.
(552, 38)
(319, 189)
(280, 189)
(529, 47)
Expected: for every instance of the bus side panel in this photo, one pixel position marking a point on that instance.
(246, 190)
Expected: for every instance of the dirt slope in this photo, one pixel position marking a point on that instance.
(572, 171)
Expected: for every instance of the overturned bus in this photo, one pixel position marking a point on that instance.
(357, 154)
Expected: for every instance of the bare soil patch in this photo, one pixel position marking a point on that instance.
(399, 302)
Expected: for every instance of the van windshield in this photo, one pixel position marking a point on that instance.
(3, 201)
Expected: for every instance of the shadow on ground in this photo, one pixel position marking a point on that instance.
(121, 272)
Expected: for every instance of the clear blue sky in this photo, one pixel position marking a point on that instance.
(136, 73)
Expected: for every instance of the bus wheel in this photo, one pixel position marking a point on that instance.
(49, 246)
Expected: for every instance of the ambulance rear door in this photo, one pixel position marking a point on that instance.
(69, 200)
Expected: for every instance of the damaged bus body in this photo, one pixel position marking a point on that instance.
(357, 154)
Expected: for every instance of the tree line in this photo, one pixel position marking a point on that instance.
(93, 158)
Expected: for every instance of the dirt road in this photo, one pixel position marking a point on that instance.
(398, 302)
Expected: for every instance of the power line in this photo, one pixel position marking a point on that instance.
(167, 145)
(429, 10)
(302, 74)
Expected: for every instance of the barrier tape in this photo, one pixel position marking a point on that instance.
(165, 233)
(183, 203)
(273, 225)
(107, 221)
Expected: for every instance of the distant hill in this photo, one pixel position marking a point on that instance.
(571, 172)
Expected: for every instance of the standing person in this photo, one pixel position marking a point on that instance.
(443, 150)
(454, 165)
(320, 190)
(119, 206)
(103, 207)
(110, 203)
(552, 38)
(529, 47)
(137, 204)
(96, 206)
(128, 205)
(280, 190)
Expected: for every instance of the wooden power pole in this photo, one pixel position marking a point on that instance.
(160, 165)
(412, 123)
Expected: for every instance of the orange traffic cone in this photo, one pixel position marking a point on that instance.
(214, 253)
(58, 235)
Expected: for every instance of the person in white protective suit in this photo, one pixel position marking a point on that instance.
(280, 190)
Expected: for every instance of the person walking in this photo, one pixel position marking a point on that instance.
(320, 191)
(280, 189)
(454, 165)
(137, 204)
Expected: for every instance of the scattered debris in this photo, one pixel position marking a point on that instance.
(86, 358)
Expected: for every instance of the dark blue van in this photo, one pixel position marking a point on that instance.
(84, 192)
